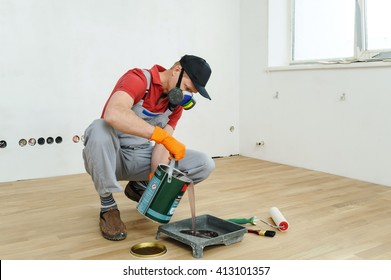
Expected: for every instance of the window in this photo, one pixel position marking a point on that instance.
(340, 31)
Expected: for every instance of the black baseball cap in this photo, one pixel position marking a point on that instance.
(198, 71)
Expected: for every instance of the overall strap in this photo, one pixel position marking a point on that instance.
(147, 75)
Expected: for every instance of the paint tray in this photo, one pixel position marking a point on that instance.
(228, 232)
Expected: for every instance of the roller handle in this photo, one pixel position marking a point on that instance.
(242, 221)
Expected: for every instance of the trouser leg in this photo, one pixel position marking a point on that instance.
(196, 165)
(102, 156)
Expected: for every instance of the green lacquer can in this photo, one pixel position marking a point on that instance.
(163, 194)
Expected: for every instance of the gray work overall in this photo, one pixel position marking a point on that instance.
(111, 156)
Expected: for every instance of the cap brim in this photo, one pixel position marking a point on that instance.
(202, 91)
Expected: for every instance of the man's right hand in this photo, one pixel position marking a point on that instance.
(176, 148)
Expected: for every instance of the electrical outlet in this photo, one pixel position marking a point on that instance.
(3, 144)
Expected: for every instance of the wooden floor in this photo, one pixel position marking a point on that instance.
(330, 217)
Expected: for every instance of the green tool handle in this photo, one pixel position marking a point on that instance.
(240, 221)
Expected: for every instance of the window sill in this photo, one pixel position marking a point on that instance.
(329, 66)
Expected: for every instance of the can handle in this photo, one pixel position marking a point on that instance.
(171, 169)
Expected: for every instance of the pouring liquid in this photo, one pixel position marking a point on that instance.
(190, 191)
(194, 231)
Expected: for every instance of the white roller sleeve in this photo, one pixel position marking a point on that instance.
(278, 219)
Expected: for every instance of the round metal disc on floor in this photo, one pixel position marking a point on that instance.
(148, 250)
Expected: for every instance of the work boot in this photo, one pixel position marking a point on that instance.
(134, 190)
(111, 226)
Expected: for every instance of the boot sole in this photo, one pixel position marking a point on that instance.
(132, 196)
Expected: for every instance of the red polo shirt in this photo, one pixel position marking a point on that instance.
(134, 83)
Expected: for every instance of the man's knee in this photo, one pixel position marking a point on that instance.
(209, 165)
(98, 132)
(206, 166)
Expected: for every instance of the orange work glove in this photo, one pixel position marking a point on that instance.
(176, 148)
(150, 176)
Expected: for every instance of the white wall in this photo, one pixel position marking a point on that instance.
(308, 125)
(60, 60)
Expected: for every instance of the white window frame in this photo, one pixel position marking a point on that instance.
(361, 52)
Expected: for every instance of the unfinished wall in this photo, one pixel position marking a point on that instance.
(60, 60)
(332, 120)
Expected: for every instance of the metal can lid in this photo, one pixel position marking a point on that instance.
(148, 250)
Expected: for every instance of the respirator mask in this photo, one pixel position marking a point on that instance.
(178, 97)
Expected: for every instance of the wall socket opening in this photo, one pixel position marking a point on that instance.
(3, 144)
(76, 139)
(22, 142)
(32, 141)
(41, 141)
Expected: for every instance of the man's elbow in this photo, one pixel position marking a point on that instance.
(110, 118)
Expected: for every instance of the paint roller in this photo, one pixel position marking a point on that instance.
(276, 215)
(242, 221)
(252, 220)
